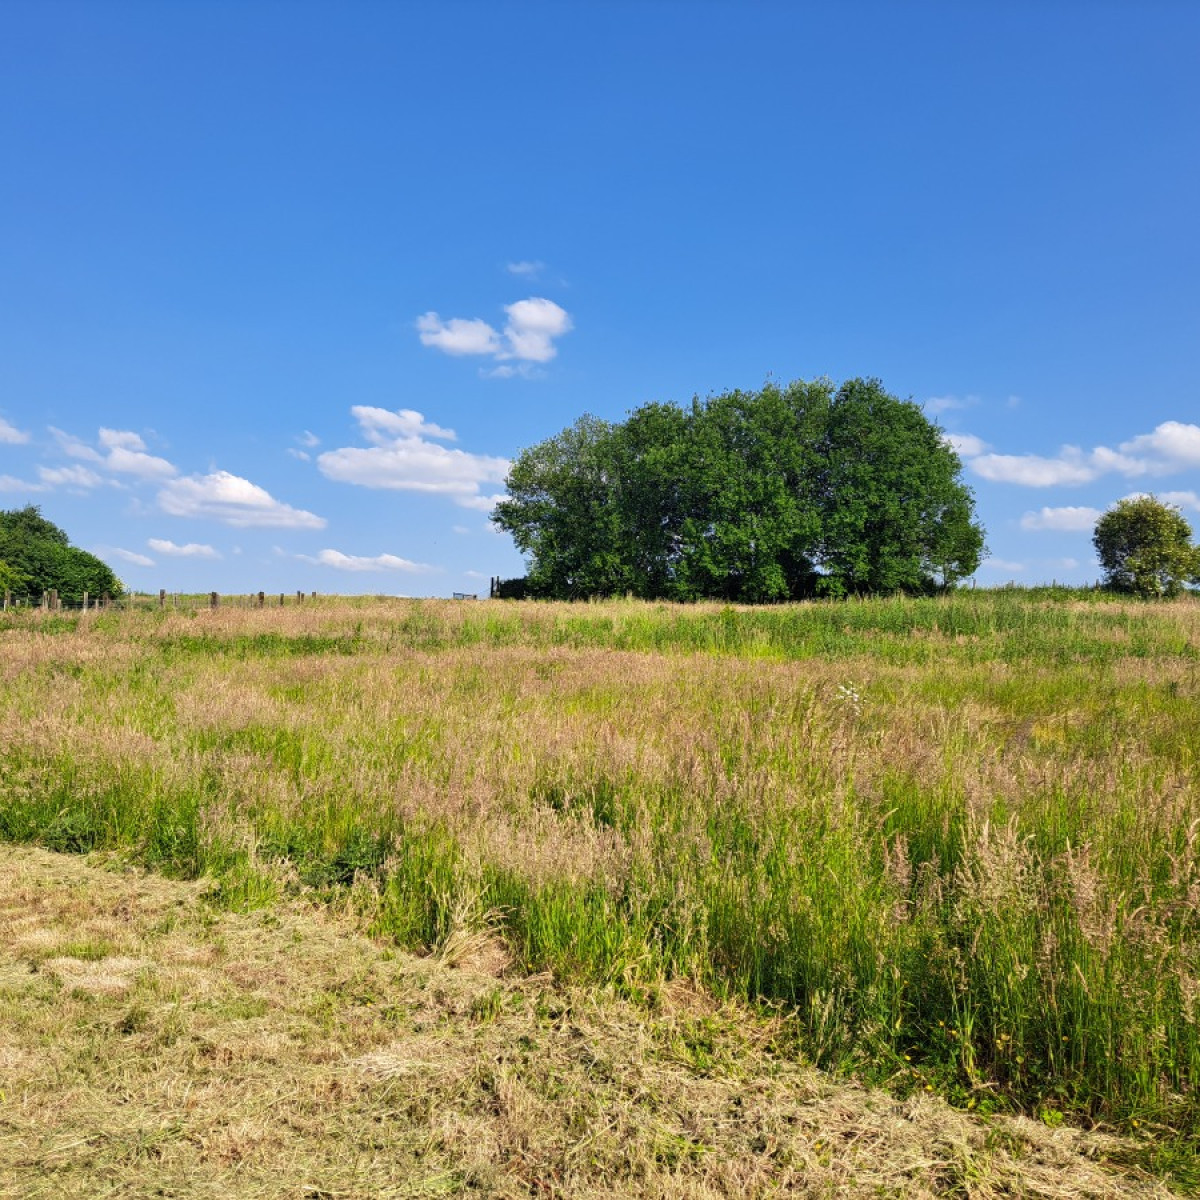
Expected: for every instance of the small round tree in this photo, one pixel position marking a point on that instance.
(1145, 548)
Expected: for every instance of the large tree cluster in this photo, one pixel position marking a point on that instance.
(778, 494)
(36, 556)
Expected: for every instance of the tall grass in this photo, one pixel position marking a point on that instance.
(956, 840)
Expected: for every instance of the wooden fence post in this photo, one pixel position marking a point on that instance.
(214, 600)
(105, 600)
(299, 597)
(262, 599)
(162, 597)
(7, 599)
(85, 600)
(280, 599)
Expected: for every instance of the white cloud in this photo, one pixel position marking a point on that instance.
(120, 439)
(1032, 470)
(403, 459)
(458, 336)
(1067, 564)
(72, 446)
(357, 562)
(482, 503)
(77, 477)
(10, 435)
(131, 556)
(460, 529)
(1000, 564)
(528, 336)
(122, 451)
(533, 325)
(1184, 500)
(1173, 446)
(134, 462)
(1069, 519)
(527, 268)
(382, 425)
(234, 501)
(302, 455)
(941, 404)
(965, 445)
(190, 550)
(127, 454)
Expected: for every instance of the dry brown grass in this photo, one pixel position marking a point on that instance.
(151, 1045)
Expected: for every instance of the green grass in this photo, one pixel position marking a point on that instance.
(956, 841)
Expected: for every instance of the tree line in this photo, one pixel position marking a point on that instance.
(784, 493)
(36, 556)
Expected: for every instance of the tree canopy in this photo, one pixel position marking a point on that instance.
(778, 494)
(36, 556)
(1145, 548)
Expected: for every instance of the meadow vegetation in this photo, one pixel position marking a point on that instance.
(951, 845)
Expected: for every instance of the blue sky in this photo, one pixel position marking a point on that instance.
(283, 286)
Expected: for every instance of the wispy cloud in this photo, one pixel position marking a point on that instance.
(941, 404)
(358, 562)
(1001, 564)
(120, 451)
(1068, 519)
(189, 550)
(232, 500)
(528, 336)
(10, 483)
(405, 457)
(72, 477)
(308, 440)
(526, 268)
(129, 556)
(10, 435)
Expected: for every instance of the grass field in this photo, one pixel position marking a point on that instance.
(951, 846)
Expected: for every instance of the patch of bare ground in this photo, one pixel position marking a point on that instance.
(152, 1045)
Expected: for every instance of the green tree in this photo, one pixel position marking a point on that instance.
(752, 459)
(11, 580)
(1145, 548)
(42, 556)
(742, 496)
(562, 513)
(896, 515)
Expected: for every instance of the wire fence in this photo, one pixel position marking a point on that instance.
(52, 601)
